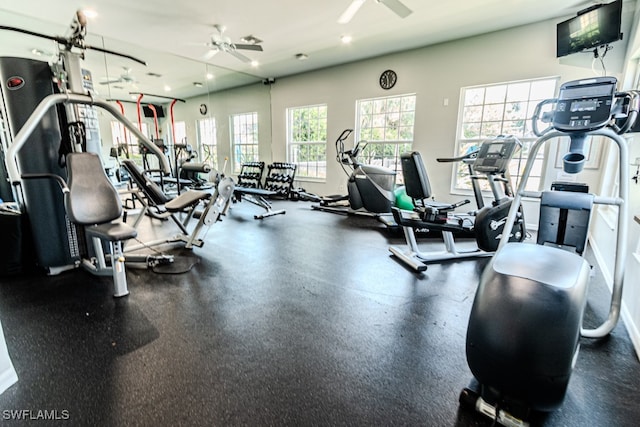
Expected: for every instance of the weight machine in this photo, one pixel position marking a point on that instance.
(44, 104)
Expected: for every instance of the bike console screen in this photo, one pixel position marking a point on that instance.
(495, 154)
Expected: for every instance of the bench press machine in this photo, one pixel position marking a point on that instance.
(156, 204)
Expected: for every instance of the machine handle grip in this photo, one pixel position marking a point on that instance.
(629, 107)
(544, 117)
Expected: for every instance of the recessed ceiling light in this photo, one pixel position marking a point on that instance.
(167, 88)
(346, 39)
(37, 52)
(254, 63)
(197, 84)
(90, 13)
(209, 76)
(302, 56)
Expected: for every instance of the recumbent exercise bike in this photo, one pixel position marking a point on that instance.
(526, 320)
(491, 162)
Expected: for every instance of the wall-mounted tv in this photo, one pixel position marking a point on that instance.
(596, 26)
(148, 112)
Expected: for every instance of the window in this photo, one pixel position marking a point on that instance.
(501, 109)
(207, 141)
(180, 130)
(386, 124)
(244, 139)
(125, 141)
(307, 140)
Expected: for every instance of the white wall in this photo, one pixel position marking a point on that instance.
(436, 74)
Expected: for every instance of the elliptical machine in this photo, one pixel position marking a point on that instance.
(370, 188)
(526, 320)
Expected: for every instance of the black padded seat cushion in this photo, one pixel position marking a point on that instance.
(92, 198)
(150, 188)
(416, 180)
(112, 231)
(186, 200)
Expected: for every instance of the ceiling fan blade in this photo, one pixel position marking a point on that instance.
(255, 47)
(397, 7)
(240, 56)
(348, 14)
(210, 54)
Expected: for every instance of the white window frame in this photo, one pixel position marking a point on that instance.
(121, 135)
(388, 129)
(244, 137)
(207, 139)
(501, 114)
(314, 168)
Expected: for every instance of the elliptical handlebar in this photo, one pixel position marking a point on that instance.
(627, 110)
(546, 117)
(348, 157)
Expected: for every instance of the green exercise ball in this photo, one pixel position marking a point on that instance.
(402, 200)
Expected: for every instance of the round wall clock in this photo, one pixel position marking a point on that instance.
(388, 79)
(203, 109)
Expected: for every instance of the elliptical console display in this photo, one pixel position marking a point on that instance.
(585, 105)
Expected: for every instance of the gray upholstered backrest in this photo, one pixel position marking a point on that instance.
(92, 198)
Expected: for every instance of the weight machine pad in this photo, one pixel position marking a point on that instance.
(112, 231)
(185, 200)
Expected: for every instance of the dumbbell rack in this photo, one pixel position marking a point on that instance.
(280, 178)
(251, 175)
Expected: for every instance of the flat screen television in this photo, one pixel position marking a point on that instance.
(148, 112)
(596, 26)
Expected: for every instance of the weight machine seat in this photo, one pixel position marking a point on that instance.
(186, 200)
(148, 187)
(91, 199)
(112, 231)
(156, 196)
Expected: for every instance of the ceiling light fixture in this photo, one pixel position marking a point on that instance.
(302, 56)
(37, 52)
(197, 84)
(90, 13)
(254, 63)
(209, 76)
(167, 88)
(346, 39)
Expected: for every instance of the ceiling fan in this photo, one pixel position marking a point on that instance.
(221, 43)
(125, 77)
(395, 5)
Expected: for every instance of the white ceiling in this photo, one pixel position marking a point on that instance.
(171, 35)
